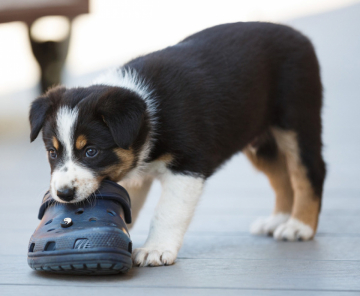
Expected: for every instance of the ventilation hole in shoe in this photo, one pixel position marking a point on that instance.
(92, 219)
(50, 246)
(111, 213)
(51, 229)
(130, 247)
(79, 211)
(48, 222)
(32, 246)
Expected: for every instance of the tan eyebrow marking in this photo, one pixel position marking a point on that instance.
(80, 142)
(55, 143)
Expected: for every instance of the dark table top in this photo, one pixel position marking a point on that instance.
(29, 11)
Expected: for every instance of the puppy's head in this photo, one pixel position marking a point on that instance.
(90, 134)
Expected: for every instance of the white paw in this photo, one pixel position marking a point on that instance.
(293, 230)
(153, 257)
(268, 225)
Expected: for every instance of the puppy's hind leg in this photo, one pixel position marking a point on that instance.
(266, 157)
(172, 217)
(307, 174)
(298, 134)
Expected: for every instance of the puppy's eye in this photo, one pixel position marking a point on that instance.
(52, 153)
(91, 152)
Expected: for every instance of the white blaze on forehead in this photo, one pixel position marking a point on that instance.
(66, 119)
(71, 174)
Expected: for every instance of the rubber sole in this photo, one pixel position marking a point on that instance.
(95, 262)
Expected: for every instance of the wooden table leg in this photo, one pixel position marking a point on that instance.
(50, 56)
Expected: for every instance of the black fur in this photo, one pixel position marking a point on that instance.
(266, 146)
(124, 113)
(39, 110)
(220, 88)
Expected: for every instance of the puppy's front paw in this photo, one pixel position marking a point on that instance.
(153, 257)
(268, 225)
(293, 230)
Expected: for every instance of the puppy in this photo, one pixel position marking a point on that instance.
(178, 114)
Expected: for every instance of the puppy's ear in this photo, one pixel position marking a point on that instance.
(38, 111)
(40, 107)
(123, 111)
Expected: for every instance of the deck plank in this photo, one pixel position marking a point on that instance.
(289, 274)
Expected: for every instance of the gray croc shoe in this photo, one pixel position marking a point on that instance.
(84, 238)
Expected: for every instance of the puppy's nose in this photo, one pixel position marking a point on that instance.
(66, 194)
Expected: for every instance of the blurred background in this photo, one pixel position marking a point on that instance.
(107, 33)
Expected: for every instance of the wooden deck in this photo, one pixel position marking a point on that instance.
(219, 256)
